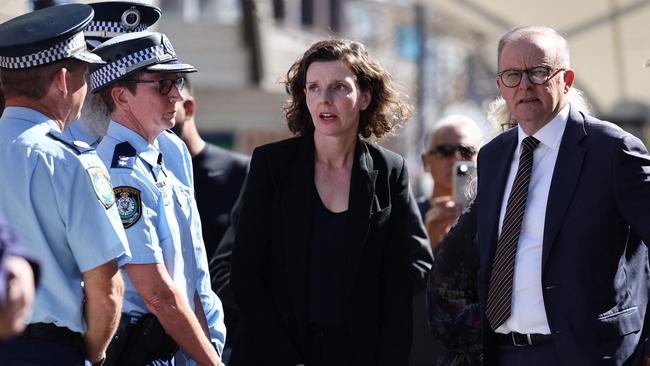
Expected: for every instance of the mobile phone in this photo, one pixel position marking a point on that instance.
(463, 181)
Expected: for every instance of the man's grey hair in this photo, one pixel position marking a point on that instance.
(95, 116)
(524, 32)
(455, 121)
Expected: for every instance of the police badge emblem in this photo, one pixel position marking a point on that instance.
(168, 46)
(129, 205)
(101, 182)
(130, 18)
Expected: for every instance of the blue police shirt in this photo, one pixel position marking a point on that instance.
(76, 132)
(56, 194)
(179, 161)
(145, 194)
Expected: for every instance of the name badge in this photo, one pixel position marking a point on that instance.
(164, 189)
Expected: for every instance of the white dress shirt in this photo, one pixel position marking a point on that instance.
(528, 314)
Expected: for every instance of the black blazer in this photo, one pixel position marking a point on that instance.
(594, 264)
(270, 263)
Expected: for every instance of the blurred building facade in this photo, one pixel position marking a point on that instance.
(442, 53)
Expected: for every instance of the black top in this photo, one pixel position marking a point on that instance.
(328, 253)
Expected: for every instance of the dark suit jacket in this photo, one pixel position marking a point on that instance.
(218, 177)
(594, 265)
(270, 262)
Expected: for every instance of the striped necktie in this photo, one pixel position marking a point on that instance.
(499, 299)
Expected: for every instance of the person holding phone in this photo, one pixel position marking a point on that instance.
(455, 138)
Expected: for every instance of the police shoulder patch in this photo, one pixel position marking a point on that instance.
(123, 156)
(101, 182)
(129, 205)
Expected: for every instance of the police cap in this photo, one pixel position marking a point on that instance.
(45, 36)
(113, 18)
(133, 52)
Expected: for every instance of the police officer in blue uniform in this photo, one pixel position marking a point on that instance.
(181, 165)
(167, 279)
(112, 18)
(56, 192)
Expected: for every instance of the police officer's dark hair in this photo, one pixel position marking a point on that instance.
(386, 110)
(106, 96)
(34, 83)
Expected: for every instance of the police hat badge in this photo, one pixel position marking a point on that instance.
(114, 18)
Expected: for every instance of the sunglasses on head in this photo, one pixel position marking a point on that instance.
(447, 150)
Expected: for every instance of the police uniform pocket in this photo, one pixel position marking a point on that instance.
(183, 198)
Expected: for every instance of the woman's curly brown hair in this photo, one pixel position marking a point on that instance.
(386, 111)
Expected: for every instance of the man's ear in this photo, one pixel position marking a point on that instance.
(120, 97)
(189, 105)
(60, 81)
(569, 77)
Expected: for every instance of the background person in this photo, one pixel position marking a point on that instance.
(320, 266)
(53, 188)
(454, 138)
(218, 173)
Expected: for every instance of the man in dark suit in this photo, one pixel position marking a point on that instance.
(562, 206)
(218, 173)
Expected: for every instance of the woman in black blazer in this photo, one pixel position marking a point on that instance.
(320, 267)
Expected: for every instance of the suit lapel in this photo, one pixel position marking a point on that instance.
(299, 186)
(362, 192)
(492, 183)
(565, 178)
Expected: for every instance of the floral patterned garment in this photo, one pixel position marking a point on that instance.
(452, 296)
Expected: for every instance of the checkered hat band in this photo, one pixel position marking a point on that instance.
(115, 70)
(106, 29)
(55, 53)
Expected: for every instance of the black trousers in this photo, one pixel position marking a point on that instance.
(326, 349)
(539, 355)
(22, 351)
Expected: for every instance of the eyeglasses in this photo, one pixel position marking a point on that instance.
(447, 150)
(164, 85)
(537, 75)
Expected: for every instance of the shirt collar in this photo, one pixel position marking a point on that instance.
(551, 134)
(148, 152)
(29, 115)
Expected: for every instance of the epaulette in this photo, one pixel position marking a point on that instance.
(77, 146)
(123, 156)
